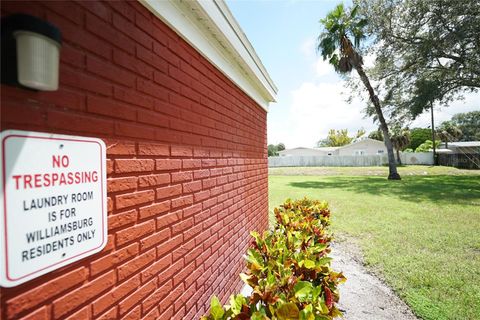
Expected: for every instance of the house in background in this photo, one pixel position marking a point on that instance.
(469, 147)
(364, 147)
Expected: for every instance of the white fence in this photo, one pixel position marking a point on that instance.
(425, 158)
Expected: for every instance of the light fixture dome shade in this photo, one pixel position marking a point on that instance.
(30, 52)
(38, 59)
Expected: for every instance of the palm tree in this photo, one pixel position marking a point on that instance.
(449, 132)
(400, 140)
(334, 44)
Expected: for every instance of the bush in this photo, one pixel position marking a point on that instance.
(288, 269)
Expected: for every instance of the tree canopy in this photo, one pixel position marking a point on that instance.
(274, 149)
(338, 138)
(425, 51)
(469, 124)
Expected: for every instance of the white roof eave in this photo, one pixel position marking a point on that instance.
(211, 29)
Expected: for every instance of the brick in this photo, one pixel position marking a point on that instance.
(85, 82)
(130, 130)
(174, 269)
(193, 186)
(136, 297)
(133, 97)
(155, 239)
(153, 118)
(105, 70)
(130, 30)
(133, 199)
(39, 314)
(133, 165)
(182, 201)
(80, 315)
(184, 250)
(159, 294)
(132, 266)
(150, 149)
(135, 232)
(44, 292)
(83, 39)
(110, 108)
(200, 174)
(134, 314)
(121, 219)
(191, 163)
(79, 123)
(152, 89)
(156, 268)
(152, 59)
(168, 164)
(109, 315)
(168, 246)
(182, 300)
(68, 302)
(121, 184)
(168, 192)
(182, 176)
(108, 33)
(124, 148)
(180, 151)
(167, 314)
(153, 180)
(152, 315)
(182, 226)
(113, 259)
(200, 196)
(154, 209)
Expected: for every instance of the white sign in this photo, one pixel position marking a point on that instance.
(53, 200)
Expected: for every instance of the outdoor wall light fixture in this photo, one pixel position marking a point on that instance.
(30, 52)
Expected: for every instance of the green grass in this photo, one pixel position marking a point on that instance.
(421, 234)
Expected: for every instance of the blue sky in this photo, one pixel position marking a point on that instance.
(311, 97)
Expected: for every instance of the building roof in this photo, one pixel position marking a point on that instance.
(209, 27)
(464, 144)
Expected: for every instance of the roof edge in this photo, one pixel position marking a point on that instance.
(210, 28)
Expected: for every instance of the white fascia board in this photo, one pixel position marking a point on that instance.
(209, 27)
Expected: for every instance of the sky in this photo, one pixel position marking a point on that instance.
(311, 96)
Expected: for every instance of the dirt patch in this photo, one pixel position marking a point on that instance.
(363, 295)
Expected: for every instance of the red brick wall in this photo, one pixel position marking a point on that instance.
(187, 168)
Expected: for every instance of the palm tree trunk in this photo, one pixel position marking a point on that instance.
(392, 166)
(398, 157)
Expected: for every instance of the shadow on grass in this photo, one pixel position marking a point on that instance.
(439, 188)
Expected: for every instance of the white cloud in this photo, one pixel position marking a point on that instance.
(315, 108)
(323, 68)
(308, 48)
(471, 102)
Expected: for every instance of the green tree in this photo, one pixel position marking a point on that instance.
(338, 138)
(426, 51)
(427, 146)
(334, 44)
(376, 135)
(469, 124)
(448, 132)
(400, 140)
(274, 149)
(419, 136)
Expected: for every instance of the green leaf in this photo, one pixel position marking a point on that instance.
(323, 261)
(216, 309)
(306, 315)
(302, 290)
(287, 311)
(236, 303)
(309, 264)
(258, 316)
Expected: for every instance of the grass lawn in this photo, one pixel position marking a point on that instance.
(421, 234)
